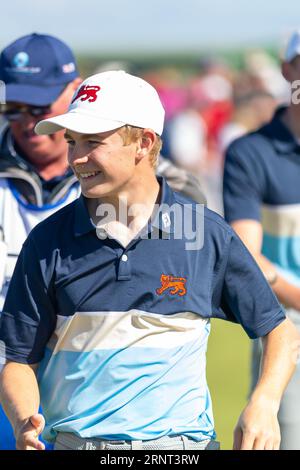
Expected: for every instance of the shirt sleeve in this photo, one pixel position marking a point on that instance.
(241, 293)
(243, 182)
(29, 314)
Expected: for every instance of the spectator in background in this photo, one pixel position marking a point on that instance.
(250, 112)
(40, 76)
(266, 75)
(262, 203)
(212, 90)
(188, 139)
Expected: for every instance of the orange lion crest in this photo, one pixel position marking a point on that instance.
(176, 284)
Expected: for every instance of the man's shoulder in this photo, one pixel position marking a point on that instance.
(213, 222)
(252, 140)
(216, 223)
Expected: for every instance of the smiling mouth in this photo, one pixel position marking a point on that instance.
(88, 175)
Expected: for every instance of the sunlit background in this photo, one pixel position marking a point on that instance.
(216, 66)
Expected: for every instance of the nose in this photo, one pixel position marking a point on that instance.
(76, 156)
(28, 122)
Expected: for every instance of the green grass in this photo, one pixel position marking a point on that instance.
(228, 375)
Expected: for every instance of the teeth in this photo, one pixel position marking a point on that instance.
(86, 175)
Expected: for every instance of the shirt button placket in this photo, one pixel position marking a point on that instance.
(124, 268)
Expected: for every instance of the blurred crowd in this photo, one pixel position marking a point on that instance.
(207, 110)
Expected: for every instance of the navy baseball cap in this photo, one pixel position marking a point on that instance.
(36, 68)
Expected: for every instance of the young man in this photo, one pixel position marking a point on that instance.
(262, 203)
(110, 325)
(40, 76)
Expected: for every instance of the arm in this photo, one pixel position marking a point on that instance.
(244, 188)
(27, 322)
(251, 233)
(19, 395)
(258, 427)
(247, 298)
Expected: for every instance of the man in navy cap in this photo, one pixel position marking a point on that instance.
(40, 76)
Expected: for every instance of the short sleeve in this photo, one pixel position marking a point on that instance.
(241, 293)
(243, 182)
(28, 318)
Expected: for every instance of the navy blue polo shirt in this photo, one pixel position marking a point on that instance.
(262, 183)
(121, 333)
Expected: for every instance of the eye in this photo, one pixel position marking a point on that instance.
(94, 142)
(71, 143)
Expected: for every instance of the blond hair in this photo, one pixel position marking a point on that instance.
(132, 134)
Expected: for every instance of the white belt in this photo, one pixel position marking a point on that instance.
(70, 441)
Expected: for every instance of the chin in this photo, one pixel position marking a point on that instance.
(97, 192)
(106, 189)
(39, 151)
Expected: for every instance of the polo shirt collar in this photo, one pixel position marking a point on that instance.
(283, 139)
(161, 221)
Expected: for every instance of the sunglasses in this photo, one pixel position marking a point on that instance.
(17, 112)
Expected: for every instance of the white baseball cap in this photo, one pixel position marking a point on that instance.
(107, 101)
(293, 47)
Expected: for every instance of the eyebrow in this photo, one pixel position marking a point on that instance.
(67, 136)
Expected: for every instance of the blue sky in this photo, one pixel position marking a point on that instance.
(152, 25)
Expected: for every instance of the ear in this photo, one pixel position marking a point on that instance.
(145, 144)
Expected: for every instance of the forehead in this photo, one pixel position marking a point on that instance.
(100, 136)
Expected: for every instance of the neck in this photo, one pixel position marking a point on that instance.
(292, 119)
(132, 207)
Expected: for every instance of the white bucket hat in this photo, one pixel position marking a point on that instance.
(107, 101)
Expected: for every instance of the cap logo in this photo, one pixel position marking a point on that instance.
(20, 64)
(69, 68)
(87, 93)
(21, 59)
